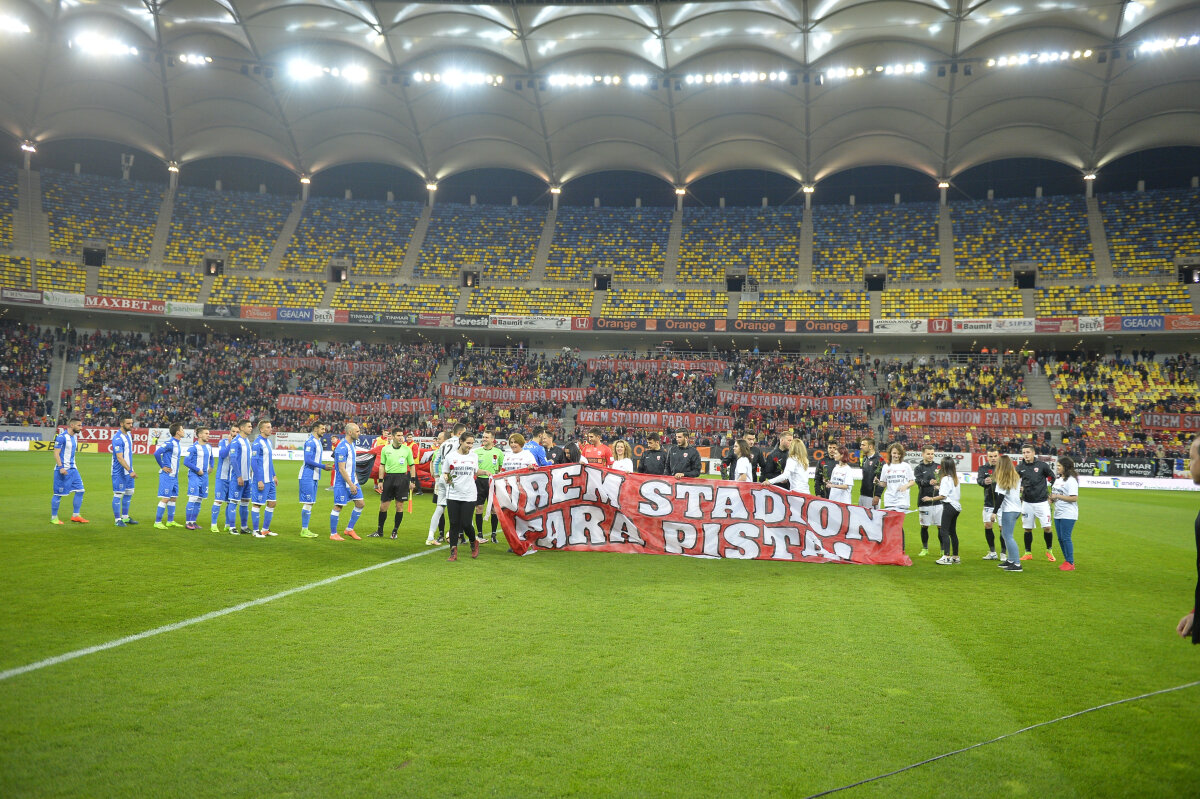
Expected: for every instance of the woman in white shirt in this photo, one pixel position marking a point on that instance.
(841, 479)
(950, 495)
(459, 470)
(518, 457)
(1008, 508)
(795, 470)
(1065, 496)
(897, 478)
(622, 456)
(744, 469)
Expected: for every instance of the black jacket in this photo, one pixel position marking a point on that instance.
(989, 491)
(653, 461)
(774, 462)
(821, 480)
(683, 460)
(757, 462)
(556, 455)
(1034, 475)
(924, 472)
(871, 466)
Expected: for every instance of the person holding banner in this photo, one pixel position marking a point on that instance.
(66, 473)
(459, 470)
(554, 453)
(683, 460)
(743, 467)
(897, 477)
(841, 478)
(396, 469)
(1065, 496)
(653, 459)
(950, 495)
(518, 456)
(776, 461)
(1008, 508)
(795, 471)
(622, 456)
(123, 475)
(595, 451)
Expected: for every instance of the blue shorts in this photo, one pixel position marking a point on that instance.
(121, 482)
(198, 486)
(238, 492)
(264, 496)
(308, 491)
(168, 485)
(221, 491)
(341, 494)
(67, 483)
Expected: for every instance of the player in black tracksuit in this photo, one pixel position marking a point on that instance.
(653, 459)
(775, 461)
(927, 486)
(1036, 477)
(872, 465)
(988, 484)
(824, 469)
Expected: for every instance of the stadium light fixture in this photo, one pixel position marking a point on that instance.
(808, 189)
(173, 166)
(95, 44)
(28, 146)
(195, 59)
(680, 191)
(355, 73)
(12, 25)
(431, 186)
(299, 69)
(556, 189)
(943, 184)
(1089, 175)
(305, 180)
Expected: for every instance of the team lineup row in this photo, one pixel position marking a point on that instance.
(246, 481)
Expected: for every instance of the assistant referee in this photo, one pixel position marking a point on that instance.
(397, 469)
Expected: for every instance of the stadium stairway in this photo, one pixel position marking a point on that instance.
(671, 257)
(537, 276)
(464, 300)
(206, 288)
(158, 245)
(1029, 303)
(734, 300)
(409, 265)
(275, 259)
(1100, 253)
(31, 224)
(598, 302)
(876, 300)
(804, 269)
(946, 245)
(93, 279)
(1194, 293)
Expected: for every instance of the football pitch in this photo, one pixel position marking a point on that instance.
(582, 674)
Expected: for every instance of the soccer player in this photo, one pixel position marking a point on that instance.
(459, 470)
(841, 478)
(985, 477)
(554, 453)
(824, 468)
(199, 462)
(221, 487)
(1035, 499)
(397, 469)
(795, 469)
(653, 460)
(167, 456)
(776, 461)
(595, 451)
(123, 474)
(438, 519)
(683, 460)
(262, 490)
(239, 481)
(66, 472)
(898, 478)
(534, 445)
(868, 493)
(756, 456)
(927, 482)
(310, 476)
(491, 459)
(345, 484)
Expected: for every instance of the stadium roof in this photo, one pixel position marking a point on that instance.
(678, 90)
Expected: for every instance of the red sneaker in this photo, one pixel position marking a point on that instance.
(1067, 567)
(352, 534)
(1027, 556)
(453, 553)
(79, 519)
(475, 548)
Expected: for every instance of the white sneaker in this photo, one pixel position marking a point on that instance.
(991, 556)
(944, 560)
(257, 534)
(429, 542)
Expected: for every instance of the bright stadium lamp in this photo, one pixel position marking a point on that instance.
(1089, 176)
(305, 180)
(680, 191)
(28, 146)
(299, 69)
(943, 184)
(12, 25)
(808, 189)
(173, 166)
(431, 186)
(556, 189)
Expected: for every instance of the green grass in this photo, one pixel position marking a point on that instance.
(579, 674)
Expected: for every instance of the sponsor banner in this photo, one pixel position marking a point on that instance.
(1066, 324)
(1143, 323)
(1138, 483)
(62, 299)
(353, 367)
(297, 402)
(48, 446)
(1091, 324)
(973, 325)
(174, 308)
(606, 323)
(364, 318)
(21, 295)
(590, 509)
(145, 439)
(982, 418)
(13, 446)
(330, 316)
(21, 435)
(463, 320)
(1183, 322)
(791, 402)
(264, 313)
(529, 322)
(400, 319)
(222, 311)
(1014, 325)
(581, 323)
(100, 302)
(685, 325)
(294, 314)
(1112, 323)
(435, 320)
(654, 420)
(290, 441)
(943, 325)
(653, 366)
(900, 326)
(1171, 421)
(514, 395)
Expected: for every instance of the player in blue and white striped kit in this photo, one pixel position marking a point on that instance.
(262, 487)
(167, 456)
(199, 462)
(123, 474)
(310, 476)
(221, 486)
(66, 474)
(345, 484)
(239, 480)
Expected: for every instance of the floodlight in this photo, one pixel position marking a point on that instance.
(173, 166)
(355, 73)
(28, 146)
(299, 69)
(12, 25)
(431, 186)
(680, 190)
(305, 180)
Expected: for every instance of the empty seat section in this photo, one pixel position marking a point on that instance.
(1051, 232)
(121, 281)
(501, 241)
(763, 241)
(1147, 231)
(374, 235)
(122, 213)
(924, 303)
(689, 304)
(15, 272)
(530, 302)
(243, 226)
(60, 276)
(421, 298)
(1132, 299)
(628, 243)
(807, 305)
(241, 290)
(903, 239)
(8, 205)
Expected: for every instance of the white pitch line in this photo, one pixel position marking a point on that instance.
(166, 628)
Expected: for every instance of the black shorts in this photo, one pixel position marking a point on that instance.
(481, 490)
(395, 486)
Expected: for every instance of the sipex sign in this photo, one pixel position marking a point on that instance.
(1142, 323)
(294, 314)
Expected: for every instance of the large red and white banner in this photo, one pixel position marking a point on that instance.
(514, 395)
(989, 418)
(588, 508)
(351, 367)
(654, 420)
(653, 366)
(300, 402)
(1171, 421)
(792, 402)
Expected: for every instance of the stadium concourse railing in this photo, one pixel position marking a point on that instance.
(1107, 325)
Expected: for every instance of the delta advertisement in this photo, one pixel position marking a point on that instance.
(791, 402)
(584, 508)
